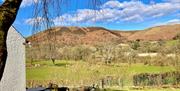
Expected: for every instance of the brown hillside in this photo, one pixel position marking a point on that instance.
(125, 34)
(96, 35)
(166, 32)
(76, 35)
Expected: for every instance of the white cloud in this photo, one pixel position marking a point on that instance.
(173, 1)
(26, 3)
(174, 21)
(115, 11)
(133, 18)
(112, 4)
(32, 21)
(169, 22)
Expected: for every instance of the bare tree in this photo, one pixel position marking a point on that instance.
(107, 52)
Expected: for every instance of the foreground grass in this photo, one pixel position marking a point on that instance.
(80, 72)
(152, 89)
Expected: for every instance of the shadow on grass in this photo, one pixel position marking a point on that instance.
(62, 64)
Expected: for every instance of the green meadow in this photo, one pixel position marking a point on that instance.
(75, 73)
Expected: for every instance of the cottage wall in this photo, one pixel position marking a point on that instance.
(14, 74)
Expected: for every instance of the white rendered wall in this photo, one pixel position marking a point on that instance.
(14, 74)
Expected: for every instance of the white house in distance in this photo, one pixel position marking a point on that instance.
(14, 73)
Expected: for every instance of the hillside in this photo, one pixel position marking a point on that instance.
(96, 35)
(166, 32)
(76, 35)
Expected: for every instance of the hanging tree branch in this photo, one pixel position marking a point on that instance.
(43, 9)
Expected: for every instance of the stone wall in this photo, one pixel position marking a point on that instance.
(14, 74)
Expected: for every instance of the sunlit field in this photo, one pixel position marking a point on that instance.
(77, 73)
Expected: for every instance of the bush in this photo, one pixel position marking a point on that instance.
(146, 79)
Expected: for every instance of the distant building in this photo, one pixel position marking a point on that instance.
(14, 73)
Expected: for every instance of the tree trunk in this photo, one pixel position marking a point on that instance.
(8, 12)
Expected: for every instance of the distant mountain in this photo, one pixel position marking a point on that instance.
(165, 32)
(96, 35)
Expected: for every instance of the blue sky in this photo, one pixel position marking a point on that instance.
(112, 14)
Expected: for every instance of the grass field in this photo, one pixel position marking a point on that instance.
(80, 72)
(172, 42)
(152, 89)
